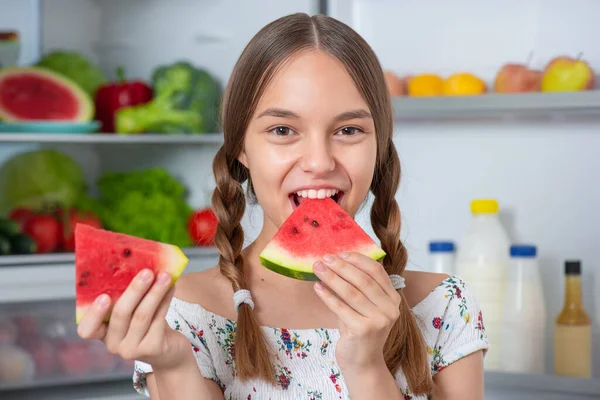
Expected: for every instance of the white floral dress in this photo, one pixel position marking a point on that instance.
(449, 318)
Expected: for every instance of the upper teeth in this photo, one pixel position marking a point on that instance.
(317, 194)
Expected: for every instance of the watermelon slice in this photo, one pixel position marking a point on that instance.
(106, 262)
(315, 228)
(35, 94)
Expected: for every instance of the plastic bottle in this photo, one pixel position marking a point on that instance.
(441, 257)
(482, 261)
(524, 324)
(573, 329)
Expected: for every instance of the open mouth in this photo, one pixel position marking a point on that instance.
(298, 197)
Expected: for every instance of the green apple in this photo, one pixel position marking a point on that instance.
(567, 74)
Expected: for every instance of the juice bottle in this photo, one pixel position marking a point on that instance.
(573, 329)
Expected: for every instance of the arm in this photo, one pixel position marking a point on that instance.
(187, 384)
(461, 380)
(374, 383)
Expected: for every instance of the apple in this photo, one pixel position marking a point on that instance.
(396, 85)
(517, 78)
(567, 74)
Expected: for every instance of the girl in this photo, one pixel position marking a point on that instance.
(306, 114)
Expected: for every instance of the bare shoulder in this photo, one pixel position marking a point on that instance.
(420, 284)
(208, 288)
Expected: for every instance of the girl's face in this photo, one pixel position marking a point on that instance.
(312, 135)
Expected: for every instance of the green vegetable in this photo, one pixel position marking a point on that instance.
(8, 227)
(38, 179)
(22, 244)
(149, 204)
(4, 246)
(186, 100)
(75, 66)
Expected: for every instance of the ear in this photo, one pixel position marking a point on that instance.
(243, 158)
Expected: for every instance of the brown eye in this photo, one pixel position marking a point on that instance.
(282, 131)
(349, 131)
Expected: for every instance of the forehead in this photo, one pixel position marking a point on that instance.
(312, 84)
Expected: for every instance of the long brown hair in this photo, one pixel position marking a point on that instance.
(258, 63)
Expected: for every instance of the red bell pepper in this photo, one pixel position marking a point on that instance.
(113, 96)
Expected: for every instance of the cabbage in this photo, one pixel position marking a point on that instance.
(40, 179)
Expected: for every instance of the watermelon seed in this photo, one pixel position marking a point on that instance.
(85, 274)
(305, 219)
(295, 230)
(127, 252)
(315, 223)
(82, 283)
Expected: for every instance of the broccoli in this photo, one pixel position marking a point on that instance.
(185, 100)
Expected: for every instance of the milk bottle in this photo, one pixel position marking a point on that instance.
(482, 261)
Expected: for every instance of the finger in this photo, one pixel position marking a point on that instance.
(146, 310)
(344, 290)
(123, 309)
(345, 313)
(354, 275)
(156, 331)
(371, 267)
(92, 325)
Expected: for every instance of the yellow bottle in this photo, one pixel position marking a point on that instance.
(573, 329)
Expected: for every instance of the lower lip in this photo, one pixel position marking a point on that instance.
(340, 196)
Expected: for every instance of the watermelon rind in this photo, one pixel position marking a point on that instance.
(284, 263)
(87, 107)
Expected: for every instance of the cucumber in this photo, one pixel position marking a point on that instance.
(8, 227)
(22, 244)
(5, 246)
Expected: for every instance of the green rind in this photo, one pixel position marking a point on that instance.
(277, 261)
(88, 109)
(291, 273)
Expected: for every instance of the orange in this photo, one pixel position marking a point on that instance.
(426, 85)
(464, 84)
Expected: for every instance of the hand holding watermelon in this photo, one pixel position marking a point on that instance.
(123, 292)
(366, 315)
(137, 329)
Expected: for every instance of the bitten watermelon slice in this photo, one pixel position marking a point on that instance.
(106, 262)
(36, 94)
(315, 228)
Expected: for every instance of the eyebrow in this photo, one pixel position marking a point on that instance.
(345, 116)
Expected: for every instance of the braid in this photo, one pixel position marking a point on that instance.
(251, 353)
(404, 347)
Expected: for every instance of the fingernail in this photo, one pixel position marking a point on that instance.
(344, 254)
(319, 286)
(319, 267)
(145, 276)
(164, 278)
(328, 258)
(102, 300)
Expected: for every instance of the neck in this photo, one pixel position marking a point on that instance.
(573, 291)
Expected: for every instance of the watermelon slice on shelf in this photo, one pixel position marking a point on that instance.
(38, 94)
(315, 228)
(106, 262)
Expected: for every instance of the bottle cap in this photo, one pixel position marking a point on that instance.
(523, 250)
(573, 267)
(441, 247)
(484, 206)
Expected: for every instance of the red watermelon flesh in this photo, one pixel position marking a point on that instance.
(36, 94)
(315, 228)
(106, 262)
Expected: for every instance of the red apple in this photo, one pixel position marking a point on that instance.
(517, 78)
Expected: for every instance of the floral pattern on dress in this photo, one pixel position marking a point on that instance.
(452, 327)
(291, 344)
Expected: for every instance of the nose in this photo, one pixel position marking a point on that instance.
(317, 157)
